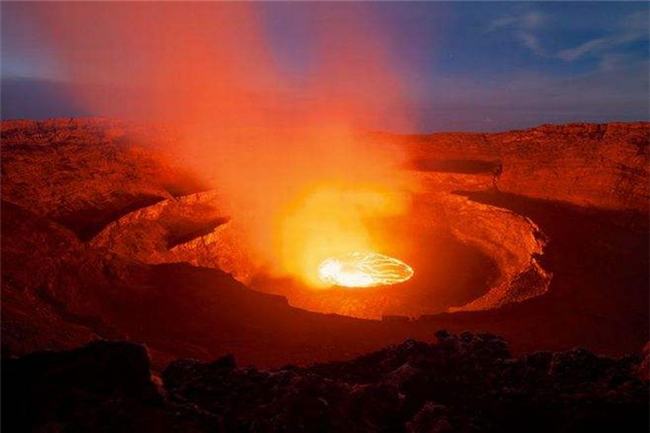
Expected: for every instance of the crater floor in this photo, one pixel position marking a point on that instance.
(538, 235)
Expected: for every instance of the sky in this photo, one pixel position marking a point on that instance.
(462, 66)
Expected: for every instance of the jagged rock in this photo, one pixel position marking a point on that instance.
(403, 375)
(465, 383)
(432, 418)
(643, 369)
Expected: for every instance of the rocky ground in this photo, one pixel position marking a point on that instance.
(96, 218)
(462, 383)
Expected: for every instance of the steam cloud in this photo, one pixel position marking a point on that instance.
(284, 152)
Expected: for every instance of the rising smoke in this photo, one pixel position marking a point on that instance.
(285, 151)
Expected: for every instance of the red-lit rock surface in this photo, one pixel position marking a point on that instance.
(599, 165)
(94, 217)
(85, 174)
(509, 240)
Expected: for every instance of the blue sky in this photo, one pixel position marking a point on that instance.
(466, 66)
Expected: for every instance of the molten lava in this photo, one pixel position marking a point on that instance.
(365, 269)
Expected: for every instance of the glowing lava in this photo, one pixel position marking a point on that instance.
(366, 269)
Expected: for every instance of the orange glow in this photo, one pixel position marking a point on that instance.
(332, 221)
(286, 154)
(363, 270)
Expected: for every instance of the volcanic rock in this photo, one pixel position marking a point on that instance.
(85, 173)
(595, 165)
(102, 387)
(462, 383)
(84, 257)
(432, 418)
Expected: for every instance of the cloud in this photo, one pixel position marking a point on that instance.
(581, 50)
(501, 22)
(633, 28)
(524, 26)
(529, 20)
(533, 19)
(612, 61)
(531, 42)
(529, 28)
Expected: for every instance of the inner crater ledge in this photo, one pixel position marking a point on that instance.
(466, 255)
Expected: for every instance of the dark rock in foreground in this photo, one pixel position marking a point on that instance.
(101, 387)
(464, 383)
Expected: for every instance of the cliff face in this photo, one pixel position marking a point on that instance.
(597, 165)
(513, 241)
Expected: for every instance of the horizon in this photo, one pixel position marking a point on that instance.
(368, 131)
